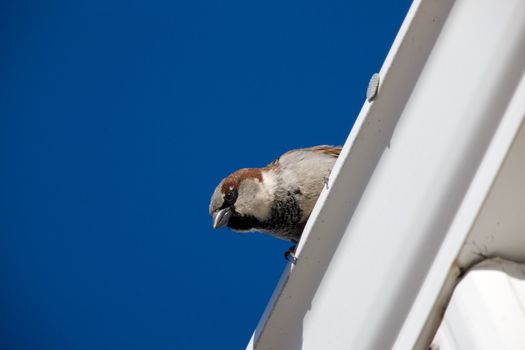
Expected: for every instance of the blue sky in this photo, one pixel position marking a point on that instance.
(117, 121)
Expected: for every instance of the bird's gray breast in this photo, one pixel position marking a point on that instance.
(286, 216)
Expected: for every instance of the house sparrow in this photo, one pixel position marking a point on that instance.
(276, 199)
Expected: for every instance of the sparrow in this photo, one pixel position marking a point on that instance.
(276, 199)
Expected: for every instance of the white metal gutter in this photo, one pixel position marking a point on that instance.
(377, 261)
(491, 217)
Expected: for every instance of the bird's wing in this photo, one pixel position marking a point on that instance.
(333, 151)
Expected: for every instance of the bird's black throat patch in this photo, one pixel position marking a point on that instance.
(244, 222)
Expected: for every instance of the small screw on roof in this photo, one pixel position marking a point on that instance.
(373, 86)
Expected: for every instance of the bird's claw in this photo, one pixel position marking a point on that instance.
(289, 255)
(326, 180)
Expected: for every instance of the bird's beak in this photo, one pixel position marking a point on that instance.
(221, 217)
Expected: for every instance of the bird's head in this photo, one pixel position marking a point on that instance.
(242, 200)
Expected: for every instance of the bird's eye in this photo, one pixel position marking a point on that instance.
(229, 197)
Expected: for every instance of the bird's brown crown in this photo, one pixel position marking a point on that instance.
(233, 180)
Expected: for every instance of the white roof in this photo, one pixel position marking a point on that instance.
(430, 177)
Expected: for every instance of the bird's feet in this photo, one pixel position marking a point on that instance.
(289, 255)
(326, 180)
